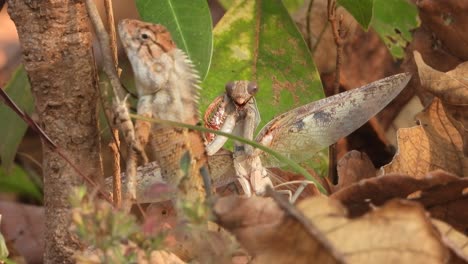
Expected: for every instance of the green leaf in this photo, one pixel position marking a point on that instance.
(189, 23)
(361, 10)
(257, 40)
(291, 5)
(3, 248)
(393, 20)
(14, 128)
(18, 182)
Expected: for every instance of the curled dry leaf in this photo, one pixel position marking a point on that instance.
(434, 144)
(452, 89)
(447, 202)
(319, 230)
(269, 234)
(448, 22)
(353, 167)
(359, 197)
(441, 193)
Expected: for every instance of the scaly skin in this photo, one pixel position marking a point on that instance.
(167, 86)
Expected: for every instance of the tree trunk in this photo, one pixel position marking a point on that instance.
(57, 55)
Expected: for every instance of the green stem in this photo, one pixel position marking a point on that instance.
(296, 167)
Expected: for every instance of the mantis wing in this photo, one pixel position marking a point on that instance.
(305, 130)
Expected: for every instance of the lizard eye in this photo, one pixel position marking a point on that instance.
(144, 36)
(252, 88)
(229, 86)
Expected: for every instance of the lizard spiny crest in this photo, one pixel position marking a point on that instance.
(157, 64)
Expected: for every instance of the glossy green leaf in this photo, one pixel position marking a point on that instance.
(291, 5)
(257, 40)
(361, 10)
(393, 20)
(13, 127)
(189, 23)
(17, 181)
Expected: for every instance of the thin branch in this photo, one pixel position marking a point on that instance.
(115, 145)
(112, 34)
(336, 29)
(104, 42)
(319, 38)
(116, 173)
(34, 126)
(308, 22)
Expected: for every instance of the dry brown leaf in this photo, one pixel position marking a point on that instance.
(24, 225)
(452, 238)
(447, 202)
(164, 257)
(452, 88)
(319, 231)
(353, 167)
(434, 144)
(398, 232)
(442, 194)
(269, 234)
(448, 23)
(361, 196)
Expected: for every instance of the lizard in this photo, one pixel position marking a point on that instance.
(168, 88)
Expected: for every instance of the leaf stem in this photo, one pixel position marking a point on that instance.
(296, 167)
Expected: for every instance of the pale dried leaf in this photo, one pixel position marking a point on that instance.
(398, 232)
(452, 238)
(269, 234)
(452, 88)
(164, 257)
(434, 144)
(319, 230)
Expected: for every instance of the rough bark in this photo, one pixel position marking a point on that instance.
(57, 54)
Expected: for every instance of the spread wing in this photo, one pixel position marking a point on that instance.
(305, 130)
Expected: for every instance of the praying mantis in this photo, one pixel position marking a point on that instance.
(298, 134)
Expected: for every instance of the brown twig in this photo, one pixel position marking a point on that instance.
(336, 30)
(319, 38)
(115, 145)
(116, 173)
(309, 32)
(104, 41)
(48, 142)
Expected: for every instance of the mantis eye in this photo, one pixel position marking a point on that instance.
(252, 88)
(229, 87)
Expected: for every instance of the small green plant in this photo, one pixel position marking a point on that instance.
(111, 236)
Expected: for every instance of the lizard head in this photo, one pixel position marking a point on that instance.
(241, 91)
(143, 39)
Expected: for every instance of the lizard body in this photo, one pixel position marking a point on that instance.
(167, 86)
